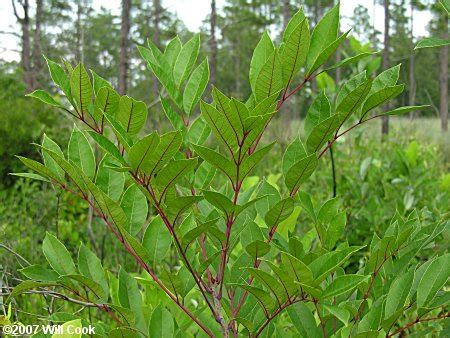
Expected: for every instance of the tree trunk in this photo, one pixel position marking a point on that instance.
(412, 83)
(286, 13)
(37, 49)
(26, 49)
(385, 119)
(443, 79)
(156, 38)
(124, 43)
(213, 44)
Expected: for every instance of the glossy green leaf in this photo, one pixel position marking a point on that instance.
(57, 255)
(81, 89)
(343, 284)
(131, 114)
(269, 80)
(261, 54)
(91, 267)
(195, 86)
(135, 207)
(161, 323)
(319, 111)
(186, 60)
(45, 97)
(322, 133)
(301, 171)
(433, 279)
(157, 240)
(81, 154)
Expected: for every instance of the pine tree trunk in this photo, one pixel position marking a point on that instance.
(385, 119)
(412, 83)
(37, 49)
(443, 80)
(124, 46)
(26, 49)
(213, 44)
(156, 38)
(286, 13)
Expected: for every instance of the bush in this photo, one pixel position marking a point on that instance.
(236, 266)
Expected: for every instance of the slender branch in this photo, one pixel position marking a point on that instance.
(322, 323)
(276, 313)
(416, 321)
(14, 253)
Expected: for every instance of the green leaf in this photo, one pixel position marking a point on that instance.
(157, 240)
(445, 4)
(296, 269)
(303, 320)
(270, 282)
(279, 212)
(325, 32)
(91, 267)
(335, 230)
(186, 60)
(322, 133)
(301, 171)
(57, 255)
(198, 132)
(172, 50)
(294, 152)
(269, 80)
(26, 286)
(130, 297)
(161, 323)
(324, 265)
(134, 204)
(380, 97)
(31, 176)
(340, 313)
(349, 60)
(141, 152)
(220, 201)
(81, 154)
(343, 284)
(168, 146)
(217, 160)
(387, 78)
(250, 162)
(39, 273)
(107, 146)
(261, 54)
(173, 116)
(257, 249)
(353, 101)
(432, 42)
(317, 112)
(81, 88)
(124, 139)
(294, 50)
(433, 279)
(45, 97)
(131, 114)
(398, 293)
(69, 329)
(326, 53)
(222, 128)
(49, 161)
(172, 173)
(293, 23)
(110, 181)
(404, 110)
(98, 82)
(261, 296)
(59, 77)
(106, 101)
(82, 282)
(195, 86)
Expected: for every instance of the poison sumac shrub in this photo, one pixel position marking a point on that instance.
(238, 270)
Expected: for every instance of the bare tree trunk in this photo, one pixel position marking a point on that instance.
(124, 43)
(412, 83)
(26, 49)
(213, 44)
(286, 13)
(156, 38)
(385, 119)
(37, 49)
(443, 80)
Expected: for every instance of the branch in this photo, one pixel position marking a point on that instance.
(14, 253)
(418, 320)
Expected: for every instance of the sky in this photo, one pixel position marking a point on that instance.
(192, 13)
